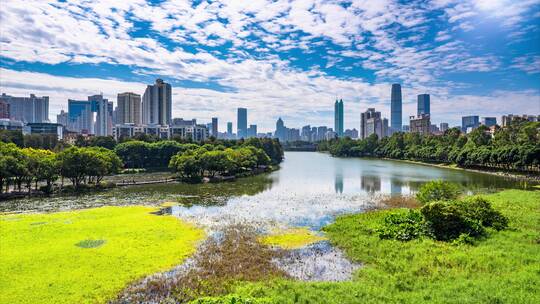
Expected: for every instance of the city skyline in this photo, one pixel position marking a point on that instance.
(280, 59)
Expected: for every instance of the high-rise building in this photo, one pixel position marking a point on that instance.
(351, 133)
(62, 118)
(489, 121)
(281, 130)
(4, 109)
(338, 117)
(423, 105)
(371, 122)
(306, 133)
(103, 109)
(241, 123)
(511, 118)
(81, 118)
(157, 104)
(128, 109)
(396, 108)
(469, 123)
(252, 131)
(321, 133)
(229, 129)
(420, 124)
(215, 127)
(443, 126)
(31, 109)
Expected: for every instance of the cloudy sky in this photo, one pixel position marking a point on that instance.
(279, 58)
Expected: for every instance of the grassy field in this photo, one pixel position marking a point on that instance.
(504, 268)
(87, 256)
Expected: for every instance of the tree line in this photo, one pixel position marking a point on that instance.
(89, 164)
(513, 148)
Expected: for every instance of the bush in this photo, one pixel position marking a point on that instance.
(448, 220)
(479, 209)
(402, 226)
(437, 191)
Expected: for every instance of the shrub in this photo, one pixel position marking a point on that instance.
(448, 220)
(402, 226)
(437, 191)
(479, 209)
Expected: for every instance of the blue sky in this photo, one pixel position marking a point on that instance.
(279, 58)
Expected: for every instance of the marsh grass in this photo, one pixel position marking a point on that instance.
(233, 256)
(400, 201)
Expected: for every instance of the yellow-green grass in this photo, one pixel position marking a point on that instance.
(292, 238)
(503, 268)
(87, 256)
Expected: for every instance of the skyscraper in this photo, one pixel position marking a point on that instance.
(157, 104)
(489, 121)
(371, 122)
(241, 123)
(338, 117)
(423, 105)
(281, 130)
(101, 106)
(396, 106)
(128, 108)
(62, 118)
(469, 123)
(80, 115)
(215, 127)
(252, 131)
(4, 109)
(420, 124)
(229, 128)
(27, 109)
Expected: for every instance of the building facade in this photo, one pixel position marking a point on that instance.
(396, 108)
(423, 106)
(489, 121)
(371, 122)
(338, 117)
(469, 123)
(443, 126)
(104, 112)
(31, 109)
(4, 110)
(128, 109)
(80, 117)
(215, 131)
(241, 123)
(420, 124)
(157, 104)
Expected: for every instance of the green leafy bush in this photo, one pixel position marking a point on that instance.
(402, 226)
(479, 209)
(448, 220)
(437, 191)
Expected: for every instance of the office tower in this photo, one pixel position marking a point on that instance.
(423, 105)
(157, 104)
(469, 123)
(103, 122)
(62, 118)
(241, 123)
(321, 133)
(27, 109)
(306, 133)
(489, 121)
(81, 118)
(443, 126)
(281, 130)
(229, 128)
(4, 109)
(338, 117)
(420, 124)
(128, 108)
(252, 131)
(371, 122)
(215, 127)
(396, 106)
(351, 133)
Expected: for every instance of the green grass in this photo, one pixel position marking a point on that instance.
(292, 238)
(87, 256)
(503, 268)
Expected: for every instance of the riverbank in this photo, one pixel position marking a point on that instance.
(514, 175)
(499, 269)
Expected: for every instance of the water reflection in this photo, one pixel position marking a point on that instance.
(370, 183)
(338, 184)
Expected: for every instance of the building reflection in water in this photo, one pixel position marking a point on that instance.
(338, 180)
(370, 183)
(395, 187)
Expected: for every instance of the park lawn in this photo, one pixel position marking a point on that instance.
(504, 268)
(87, 256)
(292, 238)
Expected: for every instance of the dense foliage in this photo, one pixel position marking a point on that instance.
(443, 218)
(516, 147)
(437, 191)
(29, 166)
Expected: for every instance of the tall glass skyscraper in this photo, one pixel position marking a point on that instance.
(241, 123)
(423, 104)
(338, 117)
(396, 108)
